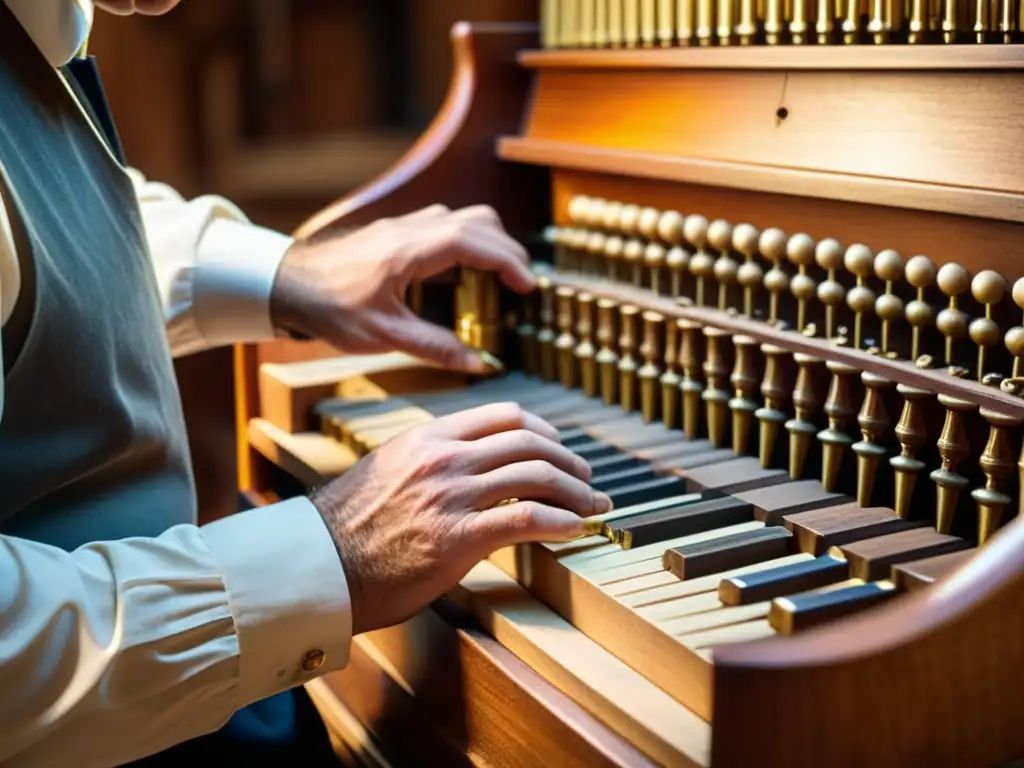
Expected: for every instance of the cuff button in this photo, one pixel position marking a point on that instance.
(313, 660)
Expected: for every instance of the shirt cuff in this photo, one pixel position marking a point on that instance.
(288, 595)
(236, 263)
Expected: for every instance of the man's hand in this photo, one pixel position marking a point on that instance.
(412, 518)
(350, 290)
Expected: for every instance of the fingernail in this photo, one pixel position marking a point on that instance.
(602, 503)
(491, 362)
(590, 526)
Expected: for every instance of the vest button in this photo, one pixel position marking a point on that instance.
(313, 660)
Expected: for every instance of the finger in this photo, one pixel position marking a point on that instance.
(477, 248)
(430, 212)
(521, 445)
(493, 418)
(538, 481)
(480, 213)
(523, 522)
(427, 341)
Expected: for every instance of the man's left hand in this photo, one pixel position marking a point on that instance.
(350, 290)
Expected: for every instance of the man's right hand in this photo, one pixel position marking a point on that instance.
(412, 518)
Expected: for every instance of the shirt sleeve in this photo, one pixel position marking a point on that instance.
(119, 650)
(214, 268)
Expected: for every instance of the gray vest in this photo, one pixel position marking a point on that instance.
(92, 438)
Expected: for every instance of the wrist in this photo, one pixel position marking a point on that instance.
(351, 555)
(288, 296)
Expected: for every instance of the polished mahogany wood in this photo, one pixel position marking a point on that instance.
(872, 559)
(734, 476)
(728, 552)
(818, 530)
(773, 503)
(923, 573)
(564, 154)
(861, 132)
(438, 689)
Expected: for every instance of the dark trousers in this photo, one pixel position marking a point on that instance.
(283, 730)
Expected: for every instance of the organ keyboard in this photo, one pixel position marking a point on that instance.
(779, 314)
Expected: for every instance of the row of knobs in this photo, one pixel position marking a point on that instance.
(647, 237)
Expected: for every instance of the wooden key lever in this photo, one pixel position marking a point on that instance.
(844, 580)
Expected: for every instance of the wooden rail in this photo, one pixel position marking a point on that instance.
(787, 57)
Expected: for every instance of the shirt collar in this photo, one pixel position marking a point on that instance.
(59, 28)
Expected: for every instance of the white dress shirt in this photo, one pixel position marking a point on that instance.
(122, 649)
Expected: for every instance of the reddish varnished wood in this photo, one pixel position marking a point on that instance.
(872, 559)
(923, 573)
(734, 476)
(464, 697)
(875, 126)
(772, 504)
(818, 530)
(748, 175)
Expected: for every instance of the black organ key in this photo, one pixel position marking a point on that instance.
(784, 580)
(705, 515)
(611, 480)
(650, 490)
(810, 609)
(616, 462)
(723, 554)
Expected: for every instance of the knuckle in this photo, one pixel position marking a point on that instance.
(542, 472)
(431, 458)
(440, 460)
(436, 496)
(524, 516)
(484, 211)
(524, 441)
(511, 413)
(452, 235)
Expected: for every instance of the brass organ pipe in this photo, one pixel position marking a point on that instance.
(800, 21)
(648, 23)
(666, 22)
(601, 24)
(631, 23)
(549, 23)
(569, 21)
(705, 22)
(774, 21)
(825, 22)
(725, 21)
(587, 12)
(685, 12)
(615, 29)
(746, 26)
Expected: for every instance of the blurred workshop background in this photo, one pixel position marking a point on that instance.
(281, 105)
